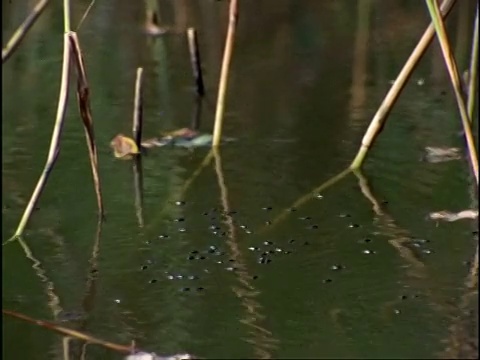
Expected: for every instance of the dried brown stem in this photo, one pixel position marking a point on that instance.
(196, 61)
(138, 109)
(83, 99)
(126, 349)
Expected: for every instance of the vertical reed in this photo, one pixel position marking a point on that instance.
(455, 80)
(473, 72)
(195, 59)
(222, 86)
(137, 126)
(83, 99)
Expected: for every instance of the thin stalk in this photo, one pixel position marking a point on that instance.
(376, 125)
(126, 349)
(222, 87)
(83, 99)
(85, 14)
(138, 109)
(473, 72)
(455, 80)
(66, 347)
(195, 59)
(66, 16)
(55, 140)
(22, 30)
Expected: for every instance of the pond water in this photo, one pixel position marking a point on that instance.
(249, 259)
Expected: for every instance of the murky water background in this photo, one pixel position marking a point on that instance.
(355, 271)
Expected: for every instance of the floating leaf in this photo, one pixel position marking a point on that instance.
(449, 216)
(441, 154)
(123, 147)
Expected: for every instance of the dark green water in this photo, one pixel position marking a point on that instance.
(357, 272)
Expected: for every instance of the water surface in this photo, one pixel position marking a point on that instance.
(355, 271)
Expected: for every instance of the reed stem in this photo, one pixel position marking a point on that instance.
(22, 30)
(378, 120)
(55, 140)
(69, 332)
(83, 99)
(195, 59)
(222, 87)
(138, 109)
(455, 80)
(473, 71)
(66, 16)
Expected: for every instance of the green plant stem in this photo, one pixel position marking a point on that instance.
(66, 15)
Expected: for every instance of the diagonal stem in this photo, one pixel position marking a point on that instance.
(54, 142)
(22, 30)
(377, 123)
(455, 80)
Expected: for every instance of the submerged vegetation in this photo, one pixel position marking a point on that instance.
(224, 221)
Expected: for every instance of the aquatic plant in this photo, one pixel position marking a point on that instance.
(436, 27)
(22, 30)
(222, 86)
(72, 54)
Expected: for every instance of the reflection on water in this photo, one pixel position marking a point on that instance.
(265, 249)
